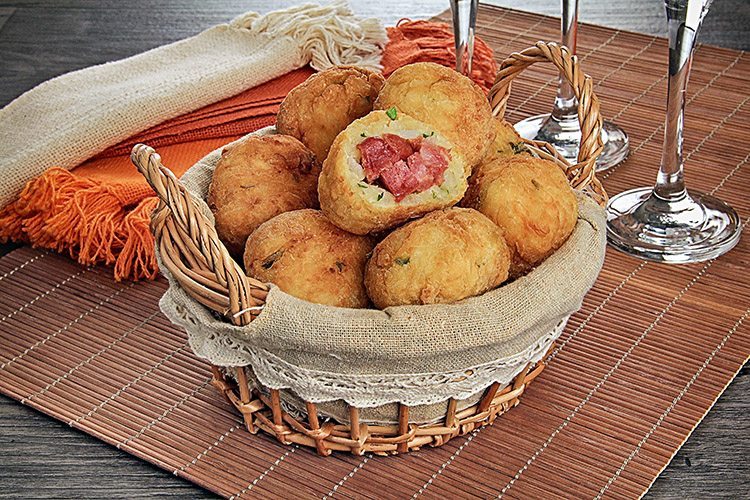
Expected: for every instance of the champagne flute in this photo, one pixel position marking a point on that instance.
(561, 127)
(464, 14)
(668, 223)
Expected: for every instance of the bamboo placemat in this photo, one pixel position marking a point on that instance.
(636, 369)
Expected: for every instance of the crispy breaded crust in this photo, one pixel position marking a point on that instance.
(316, 111)
(446, 100)
(305, 255)
(444, 257)
(530, 200)
(257, 179)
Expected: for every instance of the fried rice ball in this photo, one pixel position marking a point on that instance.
(306, 256)
(359, 206)
(256, 179)
(446, 100)
(444, 257)
(321, 107)
(531, 201)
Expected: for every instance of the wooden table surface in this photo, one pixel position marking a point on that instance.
(42, 458)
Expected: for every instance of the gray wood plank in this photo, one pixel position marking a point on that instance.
(714, 461)
(42, 458)
(5, 13)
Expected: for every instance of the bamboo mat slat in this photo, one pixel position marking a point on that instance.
(635, 371)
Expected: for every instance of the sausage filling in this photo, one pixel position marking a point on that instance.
(403, 166)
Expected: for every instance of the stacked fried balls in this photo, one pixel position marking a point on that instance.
(354, 201)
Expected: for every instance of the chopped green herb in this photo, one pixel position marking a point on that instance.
(269, 261)
(402, 261)
(380, 196)
(362, 185)
(392, 113)
(363, 134)
(426, 135)
(518, 147)
(339, 265)
(434, 195)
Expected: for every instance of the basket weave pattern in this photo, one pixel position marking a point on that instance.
(192, 252)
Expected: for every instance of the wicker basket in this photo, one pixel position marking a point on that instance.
(199, 262)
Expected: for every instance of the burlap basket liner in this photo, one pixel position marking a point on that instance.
(419, 356)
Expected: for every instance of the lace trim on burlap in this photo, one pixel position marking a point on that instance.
(367, 391)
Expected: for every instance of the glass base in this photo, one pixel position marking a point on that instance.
(565, 135)
(693, 228)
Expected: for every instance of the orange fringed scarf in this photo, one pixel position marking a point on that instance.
(100, 211)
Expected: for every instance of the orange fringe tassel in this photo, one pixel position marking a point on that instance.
(86, 218)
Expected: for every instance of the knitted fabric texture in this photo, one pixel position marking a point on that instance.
(425, 41)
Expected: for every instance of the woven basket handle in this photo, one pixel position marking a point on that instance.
(582, 174)
(191, 249)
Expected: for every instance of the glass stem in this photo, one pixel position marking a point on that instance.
(464, 23)
(670, 183)
(566, 104)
